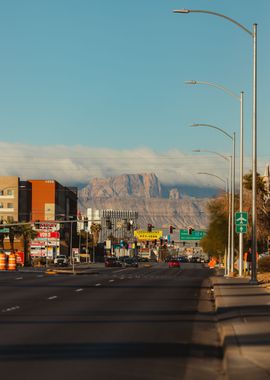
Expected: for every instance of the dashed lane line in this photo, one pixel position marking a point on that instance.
(79, 290)
(12, 308)
(98, 284)
(19, 278)
(52, 297)
(111, 280)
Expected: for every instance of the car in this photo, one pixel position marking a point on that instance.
(182, 259)
(61, 260)
(173, 263)
(112, 262)
(142, 259)
(130, 263)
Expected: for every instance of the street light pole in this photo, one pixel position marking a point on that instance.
(253, 34)
(241, 161)
(231, 137)
(228, 256)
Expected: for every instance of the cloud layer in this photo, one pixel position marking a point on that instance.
(71, 165)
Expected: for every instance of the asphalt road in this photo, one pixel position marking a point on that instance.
(137, 323)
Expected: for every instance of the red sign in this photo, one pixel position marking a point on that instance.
(37, 244)
(48, 235)
(19, 257)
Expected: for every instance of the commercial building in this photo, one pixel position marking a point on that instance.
(40, 202)
(9, 199)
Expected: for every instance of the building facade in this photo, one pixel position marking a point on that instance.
(9, 199)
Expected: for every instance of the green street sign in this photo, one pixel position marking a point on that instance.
(195, 235)
(4, 230)
(241, 229)
(241, 218)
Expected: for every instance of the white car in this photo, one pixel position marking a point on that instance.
(61, 260)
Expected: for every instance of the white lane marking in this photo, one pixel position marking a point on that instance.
(79, 290)
(98, 284)
(52, 297)
(111, 280)
(40, 275)
(120, 270)
(12, 308)
(122, 278)
(18, 278)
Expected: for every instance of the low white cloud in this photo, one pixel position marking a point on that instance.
(70, 165)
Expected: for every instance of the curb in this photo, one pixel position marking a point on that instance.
(235, 364)
(228, 338)
(70, 272)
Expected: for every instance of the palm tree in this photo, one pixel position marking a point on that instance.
(28, 233)
(95, 230)
(11, 236)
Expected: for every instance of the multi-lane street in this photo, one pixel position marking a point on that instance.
(136, 323)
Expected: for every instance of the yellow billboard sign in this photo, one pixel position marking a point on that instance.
(145, 235)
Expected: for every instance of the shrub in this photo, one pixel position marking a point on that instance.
(264, 264)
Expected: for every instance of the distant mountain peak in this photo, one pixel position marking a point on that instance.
(144, 185)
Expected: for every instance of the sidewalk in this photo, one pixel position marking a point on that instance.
(243, 313)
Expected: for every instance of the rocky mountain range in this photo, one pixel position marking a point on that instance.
(159, 204)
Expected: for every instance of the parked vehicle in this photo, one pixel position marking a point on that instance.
(142, 259)
(112, 262)
(183, 259)
(173, 263)
(61, 260)
(130, 263)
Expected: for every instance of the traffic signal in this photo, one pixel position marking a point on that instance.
(108, 224)
(37, 223)
(149, 227)
(190, 229)
(85, 223)
(171, 229)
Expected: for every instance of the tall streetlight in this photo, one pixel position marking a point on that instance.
(253, 34)
(228, 257)
(232, 138)
(241, 100)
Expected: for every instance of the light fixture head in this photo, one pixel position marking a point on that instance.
(181, 11)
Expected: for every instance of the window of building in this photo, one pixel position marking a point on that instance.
(1, 192)
(10, 219)
(1, 205)
(9, 192)
(10, 205)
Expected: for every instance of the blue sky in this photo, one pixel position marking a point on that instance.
(98, 86)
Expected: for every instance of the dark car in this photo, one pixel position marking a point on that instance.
(173, 263)
(112, 262)
(130, 263)
(142, 259)
(183, 259)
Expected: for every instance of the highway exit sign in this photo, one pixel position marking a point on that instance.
(4, 230)
(195, 235)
